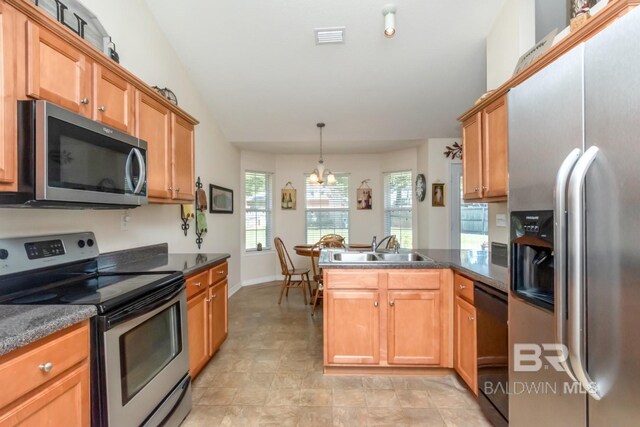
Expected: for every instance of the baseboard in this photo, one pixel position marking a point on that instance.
(233, 289)
(261, 280)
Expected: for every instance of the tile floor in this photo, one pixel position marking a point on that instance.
(269, 373)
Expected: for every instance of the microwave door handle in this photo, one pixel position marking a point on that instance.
(143, 171)
(576, 264)
(560, 258)
(127, 170)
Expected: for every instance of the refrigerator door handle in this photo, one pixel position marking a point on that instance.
(576, 264)
(560, 258)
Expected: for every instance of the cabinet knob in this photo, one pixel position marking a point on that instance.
(170, 189)
(463, 286)
(198, 284)
(476, 189)
(208, 299)
(220, 271)
(375, 303)
(215, 296)
(392, 303)
(84, 101)
(485, 188)
(46, 367)
(472, 318)
(102, 108)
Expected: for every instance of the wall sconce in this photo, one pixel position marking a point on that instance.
(389, 13)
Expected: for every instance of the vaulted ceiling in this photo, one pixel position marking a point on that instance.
(267, 83)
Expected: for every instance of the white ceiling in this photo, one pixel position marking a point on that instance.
(267, 83)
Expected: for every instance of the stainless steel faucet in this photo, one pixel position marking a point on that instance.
(374, 246)
(390, 236)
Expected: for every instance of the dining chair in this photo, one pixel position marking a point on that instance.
(317, 272)
(289, 271)
(332, 241)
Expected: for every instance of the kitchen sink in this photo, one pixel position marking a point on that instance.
(354, 257)
(403, 257)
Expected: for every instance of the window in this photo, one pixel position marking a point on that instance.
(398, 200)
(470, 221)
(258, 195)
(327, 209)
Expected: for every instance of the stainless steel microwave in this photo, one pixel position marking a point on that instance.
(66, 160)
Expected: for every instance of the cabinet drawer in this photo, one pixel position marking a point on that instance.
(21, 371)
(218, 272)
(197, 283)
(351, 279)
(463, 287)
(414, 279)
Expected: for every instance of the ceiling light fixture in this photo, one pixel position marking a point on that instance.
(389, 13)
(319, 173)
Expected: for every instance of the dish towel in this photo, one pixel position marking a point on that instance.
(187, 211)
(201, 222)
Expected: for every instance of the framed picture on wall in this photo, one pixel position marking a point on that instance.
(221, 199)
(364, 198)
(437, 194)
(288, 199)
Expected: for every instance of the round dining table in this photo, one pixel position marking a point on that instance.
(305, 250)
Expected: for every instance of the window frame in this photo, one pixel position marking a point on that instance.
(346, 209)
(268, 244)
(386, 223)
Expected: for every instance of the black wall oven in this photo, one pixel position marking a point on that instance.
(68, 160)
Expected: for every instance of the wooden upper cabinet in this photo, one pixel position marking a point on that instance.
(182, 134)
(495, 128)
(472, 157)
(465, 343)
(113, 99)
(57, 71)
(153, 122)
(8, 119)
(353, 323)
(414, 327)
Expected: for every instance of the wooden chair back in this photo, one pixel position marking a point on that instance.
(332, 241)
(315, 255)
(283, 256)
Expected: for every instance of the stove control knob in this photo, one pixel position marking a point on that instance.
(4, 254)
(81, 243)
(90, 242)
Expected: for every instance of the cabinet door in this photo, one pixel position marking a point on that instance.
(113, 99)
(153, 122)
(182, 134)
(353, 323)
(64, 402)
(8, 120)
(56, 71)
(494, 125)
(218, 298)
(472, 157)
(465, 351)
(198, 323)
(413, 334)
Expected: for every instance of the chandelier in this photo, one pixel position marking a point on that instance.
(320, 175)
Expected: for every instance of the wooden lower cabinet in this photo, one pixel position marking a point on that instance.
(414, 327)
(60, 395)
(387, 326)
(207, 315)
(353, 333)
(465, 344)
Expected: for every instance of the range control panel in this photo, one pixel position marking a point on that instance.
(20, 254)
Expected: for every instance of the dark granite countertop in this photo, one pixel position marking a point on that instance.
(23, 324)
(155, 258)
(474, 264)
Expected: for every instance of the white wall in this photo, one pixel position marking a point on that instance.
(439, 170)
(498, 234)
(512, 34)
(144, 51)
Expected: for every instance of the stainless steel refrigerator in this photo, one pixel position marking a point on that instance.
(574, 165)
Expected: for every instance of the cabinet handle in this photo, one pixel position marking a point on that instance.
(198, 284)
(476, 190)
(170, 189)
(208, 299)
(472, 318)
(463, 286)
(178, 189)
(102, 108)
(485, 188)
(46, 367)
(392, 303)
(215, 296)
(375, 303)
(220, 271)
(84, 101)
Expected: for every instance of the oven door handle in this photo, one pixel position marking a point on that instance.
(136, 310)
(560, 258)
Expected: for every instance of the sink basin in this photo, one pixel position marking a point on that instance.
(405, 257)
(354, 257)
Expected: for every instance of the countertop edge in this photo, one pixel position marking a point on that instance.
(205, 265)
(62, 316)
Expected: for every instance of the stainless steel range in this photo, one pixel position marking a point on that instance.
(140, 360)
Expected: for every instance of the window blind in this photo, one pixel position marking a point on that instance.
(398, 202)
(327, 209)
(258, 195)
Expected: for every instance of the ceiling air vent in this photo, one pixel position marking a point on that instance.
(329, 35)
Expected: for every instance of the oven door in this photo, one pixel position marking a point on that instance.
(83, 161)
(145, 357)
